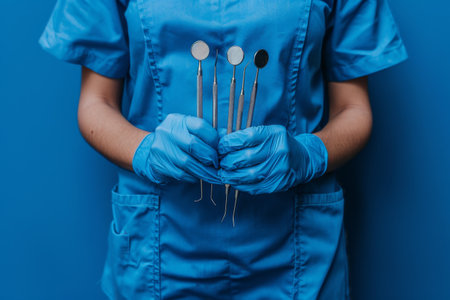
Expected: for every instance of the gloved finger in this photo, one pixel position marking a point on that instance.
(250, 175)
(167, 172)
(245, 158)
(197, 169)
(211, 179)
(275, 182)
(252, 189)
(181, 175)
(190, 144)
(266, 186)
(241, 139)
(202, 130)
(201, 151)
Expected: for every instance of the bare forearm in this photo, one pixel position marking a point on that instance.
(101, 122)
(350, 122)
(345, 135)
(106, 130)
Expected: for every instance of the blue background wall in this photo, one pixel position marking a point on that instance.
(54, 200)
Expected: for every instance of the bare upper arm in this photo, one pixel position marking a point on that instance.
(352, 93)
(96, 88)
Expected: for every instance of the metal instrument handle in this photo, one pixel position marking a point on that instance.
(240, 112)
(251, 108)
(199, 91)
(215, 104)
(231, 105)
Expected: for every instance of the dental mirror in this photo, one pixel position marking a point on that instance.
(200, 50)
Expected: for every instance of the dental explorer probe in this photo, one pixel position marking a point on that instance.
(260, 60)
(235, 56)
(215, 111)
(238, 127)
(200, 51)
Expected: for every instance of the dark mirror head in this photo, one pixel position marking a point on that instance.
(261, 58)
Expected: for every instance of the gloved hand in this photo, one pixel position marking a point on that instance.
(266, 159)
(181, 148)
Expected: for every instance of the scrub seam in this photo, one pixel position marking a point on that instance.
(112, 68)
(156, 263)
(295, 65)
(367, 65)
(298, 269)
(151, 55)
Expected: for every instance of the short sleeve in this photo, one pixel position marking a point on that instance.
(91, 33)
(362, 38)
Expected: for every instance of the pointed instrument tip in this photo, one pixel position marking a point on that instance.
(243, 75)
(245, 68)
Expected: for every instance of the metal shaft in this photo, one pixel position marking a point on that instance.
(240, 111)
(214, 113)
(252, 100)
(236, 195)
(200, 91)
(238, 127)
(200, 109)
(230, 128)
(215, 102)
(231, 102)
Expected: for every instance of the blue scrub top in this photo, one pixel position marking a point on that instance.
(286, 245)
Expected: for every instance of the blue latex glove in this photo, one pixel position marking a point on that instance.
(181, 148)
(266, 159)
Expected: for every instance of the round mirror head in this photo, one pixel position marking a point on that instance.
(199, 50)
(261, 58)
(235, 55)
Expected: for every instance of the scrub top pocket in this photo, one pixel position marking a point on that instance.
(320, 252)
(131, 269)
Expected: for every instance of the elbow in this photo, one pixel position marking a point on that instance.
(85, 125)
(366, 125)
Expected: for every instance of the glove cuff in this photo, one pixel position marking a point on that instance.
(318, 155)
(141, 155)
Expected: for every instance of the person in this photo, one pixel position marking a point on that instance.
(137, 107)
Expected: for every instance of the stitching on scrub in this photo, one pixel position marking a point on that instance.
(364, 57)
(122, 238)
(152, 202)
(321, 199)
(135, 200)
(299, 255)
(342, 69)
(151, 55)
(85, 57)
(302, 257)
(155, 268)
(296, 276)
(295, 64)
